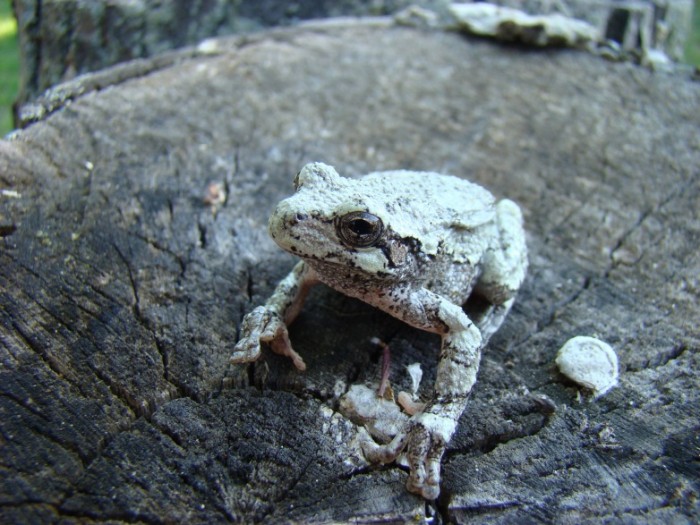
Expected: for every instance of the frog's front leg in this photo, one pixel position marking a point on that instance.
(428, 432)
(268, 323)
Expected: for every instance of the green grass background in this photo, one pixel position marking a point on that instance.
(692, 47)
(9, 61)
(9, 66)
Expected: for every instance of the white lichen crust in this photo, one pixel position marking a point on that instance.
(415, 245)
(506, 23)
(589, 362)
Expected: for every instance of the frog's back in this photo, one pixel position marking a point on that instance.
(453, 219)
(432, 197)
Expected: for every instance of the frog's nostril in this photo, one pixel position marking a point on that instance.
(299, 217)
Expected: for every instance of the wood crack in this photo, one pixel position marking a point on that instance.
(643, 217)
(551, 316)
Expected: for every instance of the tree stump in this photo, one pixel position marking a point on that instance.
(122, 286)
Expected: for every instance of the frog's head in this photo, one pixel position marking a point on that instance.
(332, 222)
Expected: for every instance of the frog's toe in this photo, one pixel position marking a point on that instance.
(247, 348)
(424, 478)
(246, 351)
(376, 453)
(423, 487)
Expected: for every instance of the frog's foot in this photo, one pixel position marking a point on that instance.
(263, 325)
(424, 442)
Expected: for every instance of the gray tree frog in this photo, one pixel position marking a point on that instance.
(416, 245)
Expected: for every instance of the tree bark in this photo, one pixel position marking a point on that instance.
(121, 288)
(60, 39)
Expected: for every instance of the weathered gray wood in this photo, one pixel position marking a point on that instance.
(60, 39)
(121, 290)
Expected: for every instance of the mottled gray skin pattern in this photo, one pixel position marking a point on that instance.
(416, 245)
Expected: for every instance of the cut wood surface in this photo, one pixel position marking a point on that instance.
(121, 289)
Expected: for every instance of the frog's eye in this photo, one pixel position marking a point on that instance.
(359, 229)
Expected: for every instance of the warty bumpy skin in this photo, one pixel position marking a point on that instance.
(416, 245)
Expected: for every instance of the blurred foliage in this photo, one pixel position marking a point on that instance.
(9, 66)
(692, 47)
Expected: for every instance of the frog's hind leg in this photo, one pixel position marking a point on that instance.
(486, 315)
(490, 318)
(504, 271)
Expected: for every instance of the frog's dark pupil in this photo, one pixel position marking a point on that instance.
(361, 227)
